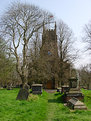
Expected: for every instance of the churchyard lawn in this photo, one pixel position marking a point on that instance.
(45, 107)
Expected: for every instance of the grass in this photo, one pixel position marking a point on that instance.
(63, 113)
(15, 110)
(87, 98)
(45, 107)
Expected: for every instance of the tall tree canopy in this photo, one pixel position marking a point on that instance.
(67, 53)
(18, 26)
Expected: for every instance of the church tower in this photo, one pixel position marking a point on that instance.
(49, 43)
(49, 52)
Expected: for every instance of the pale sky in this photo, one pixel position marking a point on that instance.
(75, 13)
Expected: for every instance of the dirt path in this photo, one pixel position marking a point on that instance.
(52, 106)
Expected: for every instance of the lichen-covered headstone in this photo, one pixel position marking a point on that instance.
(75, 104)
(23, 93)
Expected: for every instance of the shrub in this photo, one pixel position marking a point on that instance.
(32, 97)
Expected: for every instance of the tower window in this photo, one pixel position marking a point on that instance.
(49, 53)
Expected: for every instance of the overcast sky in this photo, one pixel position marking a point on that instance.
(75, 13)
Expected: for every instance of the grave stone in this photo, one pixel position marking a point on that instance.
(75, 104)
(74, 91)
(23, 94)
(37, 88)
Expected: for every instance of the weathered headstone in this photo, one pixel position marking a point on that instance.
(37, 88)
(23, 94)
(75, 104)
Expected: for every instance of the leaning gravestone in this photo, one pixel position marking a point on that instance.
(23, 93)
(75, 104)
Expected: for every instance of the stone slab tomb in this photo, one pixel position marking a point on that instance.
(37, 88)
(75, 104)
(73, 93)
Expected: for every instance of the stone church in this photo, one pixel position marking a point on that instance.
(49, 53)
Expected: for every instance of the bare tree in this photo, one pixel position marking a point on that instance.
(87, 38)
(65, 45)
(65, 42)
(34, 55)
(18, 26)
